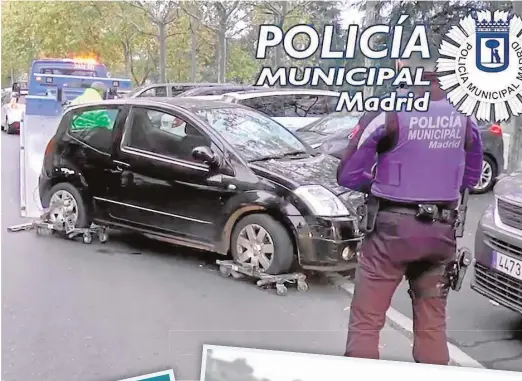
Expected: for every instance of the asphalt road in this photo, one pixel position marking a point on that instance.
(72, 311)
(132, 306)
(491, 335)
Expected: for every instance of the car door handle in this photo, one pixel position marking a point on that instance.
(120, 167)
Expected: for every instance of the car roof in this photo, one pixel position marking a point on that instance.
(225, 87)
(195, 84)
(187, 103)
(271, 92)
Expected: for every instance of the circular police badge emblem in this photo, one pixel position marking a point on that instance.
(481, 65)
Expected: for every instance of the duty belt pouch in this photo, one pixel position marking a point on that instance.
(370, 215)
(427, 213)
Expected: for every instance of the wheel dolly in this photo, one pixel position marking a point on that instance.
(231, 268)
(65, 228)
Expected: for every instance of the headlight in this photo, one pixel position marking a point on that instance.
(354, 201)
(353, 198)
(321, 201)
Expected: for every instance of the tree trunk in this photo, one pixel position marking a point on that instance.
(372, 17)
(193, 50)
(127, 55)
(222, 46)
(515, 141)
(162, 40)
(278, 53)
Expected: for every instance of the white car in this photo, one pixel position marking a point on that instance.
(13, 110)
(293, 108)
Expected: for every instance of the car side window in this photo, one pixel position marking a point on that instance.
(94, 127)
(176, 90)
(160, 91)
(331, 104)
(270, 106)
(163, 134)
(305, 105)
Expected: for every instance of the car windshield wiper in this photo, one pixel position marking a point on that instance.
(277, 157)
(294, 153)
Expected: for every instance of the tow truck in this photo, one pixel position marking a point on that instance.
(52, 84)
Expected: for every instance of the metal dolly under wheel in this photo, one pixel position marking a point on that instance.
(63, 228)
(231, 268)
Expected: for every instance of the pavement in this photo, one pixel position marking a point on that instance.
(72, 311)
(132, 306)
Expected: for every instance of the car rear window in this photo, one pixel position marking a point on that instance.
(94, 127)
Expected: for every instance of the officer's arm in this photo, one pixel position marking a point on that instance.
(474, 155)
(354, 171)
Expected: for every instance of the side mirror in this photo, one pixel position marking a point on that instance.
(206, 156)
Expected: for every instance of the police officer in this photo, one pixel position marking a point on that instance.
(424, 160)
(93, 94)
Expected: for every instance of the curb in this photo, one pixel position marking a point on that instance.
(404, 325)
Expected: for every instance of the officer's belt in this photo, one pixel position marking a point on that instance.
(442, 215)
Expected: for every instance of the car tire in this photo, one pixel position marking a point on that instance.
(83, 218)
(487, 177)
(273, 234)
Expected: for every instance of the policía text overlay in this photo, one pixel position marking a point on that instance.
(398, 46)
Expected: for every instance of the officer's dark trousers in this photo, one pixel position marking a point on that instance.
(401, 246)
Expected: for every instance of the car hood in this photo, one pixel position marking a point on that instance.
(318, 170)
(510, 187)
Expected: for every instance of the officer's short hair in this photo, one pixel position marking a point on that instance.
(99, 86)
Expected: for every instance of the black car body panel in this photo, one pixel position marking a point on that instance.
(193, 203)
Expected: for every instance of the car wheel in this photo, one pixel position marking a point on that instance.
(73, 205)
(487, 177)
(262, 241)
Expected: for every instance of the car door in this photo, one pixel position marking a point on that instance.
(164, 188)
(89, 148)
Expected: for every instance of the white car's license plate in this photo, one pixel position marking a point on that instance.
(508, 265)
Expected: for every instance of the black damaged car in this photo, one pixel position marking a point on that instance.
(214, 176)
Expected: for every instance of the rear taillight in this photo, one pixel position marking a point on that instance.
(50, 147)
(495, 129)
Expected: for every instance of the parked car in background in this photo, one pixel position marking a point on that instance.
(167, 89)
(332, 133)
(13, 110)
(233, 180)
(216, 92)
(498, 246)
(293, 108)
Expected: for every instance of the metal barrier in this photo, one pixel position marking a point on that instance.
(44, 107)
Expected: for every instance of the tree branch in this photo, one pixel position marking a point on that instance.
(200, 20)
(139, 5)
(137, 27)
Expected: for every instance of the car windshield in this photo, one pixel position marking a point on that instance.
(332, 124)
(254, 135)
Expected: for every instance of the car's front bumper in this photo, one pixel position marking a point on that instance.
(487, 281)
(327, 243)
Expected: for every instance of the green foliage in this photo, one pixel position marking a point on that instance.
(126, 35)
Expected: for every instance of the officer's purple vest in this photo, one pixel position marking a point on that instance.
(428, 162)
